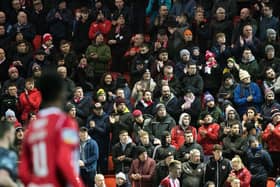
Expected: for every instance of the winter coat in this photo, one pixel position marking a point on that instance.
(122, 166)
(234, 145)
(161, 171)
(192, 176)
(178, 135)
(30, 102)
(186, 148)
(272, 138)
(19, 82)
(211, 137)
(146, 169)
(252, 67)
(161, 150)
(194, 82)
(259, 163)
(217, 171)
(102, 27)
(91, 154)
(146, 108)
(157, 126)
(100, 65)
(240, 94)
(82, 107)
(266, 110)
(243, 175)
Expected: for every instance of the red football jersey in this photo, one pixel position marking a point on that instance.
(50, 152)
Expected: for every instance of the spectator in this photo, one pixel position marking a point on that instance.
(47, 46)
(161, 170)
(259, 163)
(226, 90)
(15, 79)
(121, 180)
(142, 169)
(270, 60)
(183, 154)
(247, 93)
(165, 146)
(99, 180)
(69, 84)
(122, 153)
(121, 8)
(271, 137)
(178, 132)
(146, 104)
(89, 153)
(218, 168)
(230, 6)
(271, 38)
(4, 66)
(240, 172)
(39, 59)
(30, 100)
(19, 135)
(98, 125)
(269, 104)
(193, 170)
(38, 16)
(249, 63)
(9, 100)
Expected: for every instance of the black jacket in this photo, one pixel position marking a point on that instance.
(122, 166)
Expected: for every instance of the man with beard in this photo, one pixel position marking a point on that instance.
(218, 168)
(271, 136)
(234, 143)
(208, 134)
(269, 104)
(183, 154)
(193, 170)
(247, 93)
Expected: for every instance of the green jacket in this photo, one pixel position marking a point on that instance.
(100, 65)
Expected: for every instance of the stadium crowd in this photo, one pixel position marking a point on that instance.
(176, 92)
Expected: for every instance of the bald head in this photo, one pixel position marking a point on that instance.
(244, 13)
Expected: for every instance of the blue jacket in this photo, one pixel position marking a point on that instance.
(91, 152)
(240, 94)
(100, 133)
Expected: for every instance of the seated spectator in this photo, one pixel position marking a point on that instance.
(193, 170)
(247, 93)
(142, 168)
(122, 153)
(239, 171)
(183, 154)
(178, 132)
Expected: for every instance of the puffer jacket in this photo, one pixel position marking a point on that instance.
(192, 176)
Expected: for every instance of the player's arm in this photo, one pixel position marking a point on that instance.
(67, 158)
(5, 179)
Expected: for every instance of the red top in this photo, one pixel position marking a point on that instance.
(272, 138)
(50, 151)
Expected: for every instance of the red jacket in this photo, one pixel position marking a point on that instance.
(210, 138)
(272, 138)
(243, 175)
(177, 135)
(29, 102)
(103, 27)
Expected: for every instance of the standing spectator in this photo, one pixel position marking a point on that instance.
(270, 60)
(30, 100)
(239, 171)
(8, 158)
(69, 84)
(269, 104)
(249, 63)
(230, 6)
(208, 134)
(47, 46)
(15, 79)
(259, 163)
(218, 168)
(267, 21)
(146, 104)
(164, 147)
(145, 142)
(89, 153)
(183, 154)
(271, 136)
(39, 60)
(175, 170)
(142, 169)
(247, 93)
(161, 170)
(23, 26)
(123, 152)
(4, 66)
(121, 8)
(178, 132)
(98, 126)
(154, 6)
(272, 39)
(80, 33)
(121, 180)
(193, 170)
(118, 40)
(38, 16)
(9, 100)
(98, 55)
(60, 21)
(56, 128)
